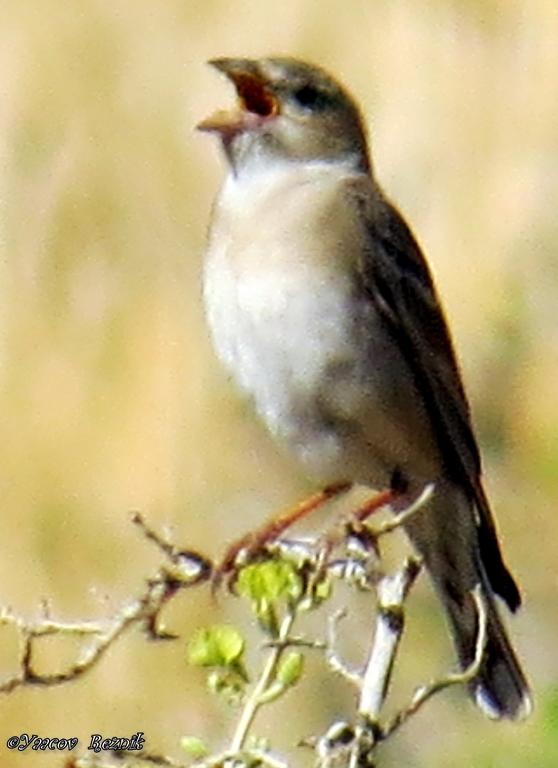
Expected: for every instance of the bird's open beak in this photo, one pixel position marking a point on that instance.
(256, 102)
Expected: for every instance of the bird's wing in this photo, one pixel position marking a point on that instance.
(395, 276)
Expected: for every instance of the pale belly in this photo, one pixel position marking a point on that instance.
(306, 354)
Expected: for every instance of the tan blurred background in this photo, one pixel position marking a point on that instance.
(110, 398)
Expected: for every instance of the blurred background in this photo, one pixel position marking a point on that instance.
(111, 400)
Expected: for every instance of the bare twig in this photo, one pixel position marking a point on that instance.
(391, 525)
(425, 692)
(355, 747)
(392, 592)
(253, 701)
(187, 569)
(358, 563)
(334, 661)
(358, 742)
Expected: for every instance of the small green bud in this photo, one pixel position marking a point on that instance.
(290, 669)
(323, 590)
(269, 580)
(219, 646)
(194, 747)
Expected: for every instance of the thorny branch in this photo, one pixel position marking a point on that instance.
(184, 569)
(359, 741)
(253, 702)
(343, 744)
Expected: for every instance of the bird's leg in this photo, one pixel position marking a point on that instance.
(372, 505)
(395, 496)
(353, 522)
(254, 541)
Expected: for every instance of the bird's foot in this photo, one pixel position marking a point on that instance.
(353, 521)
(352, 526)
(252, 544)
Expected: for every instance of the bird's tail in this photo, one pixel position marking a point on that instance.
(445, 533)
(500, 689)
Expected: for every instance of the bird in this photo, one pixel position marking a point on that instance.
(323, 310)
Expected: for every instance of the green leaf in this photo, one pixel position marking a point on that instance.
(322, 590)
(194, 747)
(219, 646)
(267, 617)
(269, 581)
(288, 674)
(290, 669)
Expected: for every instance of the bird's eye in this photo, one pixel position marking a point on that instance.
(310, 97)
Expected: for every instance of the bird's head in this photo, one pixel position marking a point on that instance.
(287, 109)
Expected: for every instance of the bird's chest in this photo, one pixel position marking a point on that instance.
(279, 330)
(281, 306)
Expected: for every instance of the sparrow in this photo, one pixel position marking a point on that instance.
(322, 307)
